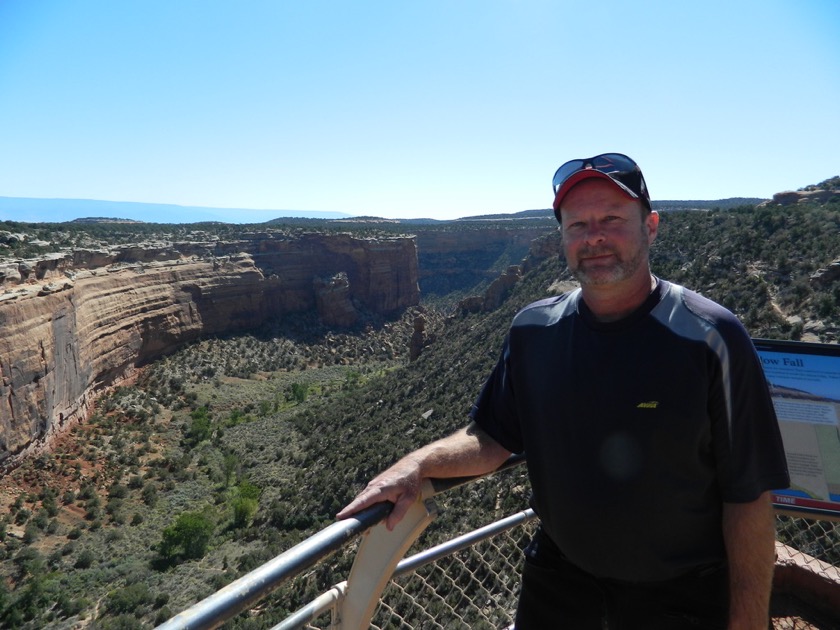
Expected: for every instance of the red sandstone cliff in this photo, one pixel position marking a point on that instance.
(79, 321)
(74, 324)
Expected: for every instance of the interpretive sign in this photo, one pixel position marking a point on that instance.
(804, 382)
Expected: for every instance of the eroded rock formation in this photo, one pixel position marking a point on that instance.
(792, 197)
(332, 299)
(825, 277)
(79, 322)
(418, 338)
(546, 246)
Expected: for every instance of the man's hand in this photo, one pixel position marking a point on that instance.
(400, 485)
(467, 452)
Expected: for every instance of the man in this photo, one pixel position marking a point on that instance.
(650, 436)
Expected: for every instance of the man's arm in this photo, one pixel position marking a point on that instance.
(749, 534)
(467, 452)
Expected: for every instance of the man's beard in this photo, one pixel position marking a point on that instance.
(619, 269)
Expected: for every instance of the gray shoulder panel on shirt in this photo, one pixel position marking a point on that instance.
(690, 323)
(547, 312)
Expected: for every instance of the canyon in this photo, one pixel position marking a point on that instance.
(79, 321)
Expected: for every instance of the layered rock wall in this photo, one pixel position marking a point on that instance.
(78, 323)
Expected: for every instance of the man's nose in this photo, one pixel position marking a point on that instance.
(594, 232)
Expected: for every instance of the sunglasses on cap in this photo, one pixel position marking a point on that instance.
(617, 167)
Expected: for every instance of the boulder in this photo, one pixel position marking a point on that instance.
(826, 276)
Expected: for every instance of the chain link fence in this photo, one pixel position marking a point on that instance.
(811, 548)
(818, 541)
(477, 588)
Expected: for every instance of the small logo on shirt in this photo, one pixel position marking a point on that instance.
(651, 404)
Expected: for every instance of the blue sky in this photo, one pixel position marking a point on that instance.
(411, 109)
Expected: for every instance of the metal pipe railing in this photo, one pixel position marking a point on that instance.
(433, 554)
(240, 594)
(314, 609)
(244, 592)
(329, 600)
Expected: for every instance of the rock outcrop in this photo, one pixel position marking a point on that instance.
(495, 293)
(76, 323)
(382, 273)
(792, 197)
(540, 249)
(418, 338)
(332, 299)
(823, 278)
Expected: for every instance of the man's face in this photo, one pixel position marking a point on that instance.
(606, 234)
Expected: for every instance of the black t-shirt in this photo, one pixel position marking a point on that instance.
(635, 431)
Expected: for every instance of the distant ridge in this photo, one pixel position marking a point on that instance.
(33, 210)
(723, 204)
(103, 220)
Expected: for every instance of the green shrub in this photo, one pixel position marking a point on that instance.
(162, 616)
(230, 466)
(200, 427)
(243, 511)
(50, 506)
(22, 516)
(70, 607)
(247, 490)
(118, 491)
(85, 559)
(299, 392)
(128, 599)
(150, 494)
(30, 533)
(29, 562)
(122, 622)
(189, 536)
(86, 492)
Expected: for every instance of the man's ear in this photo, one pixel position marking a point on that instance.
(652, 222)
